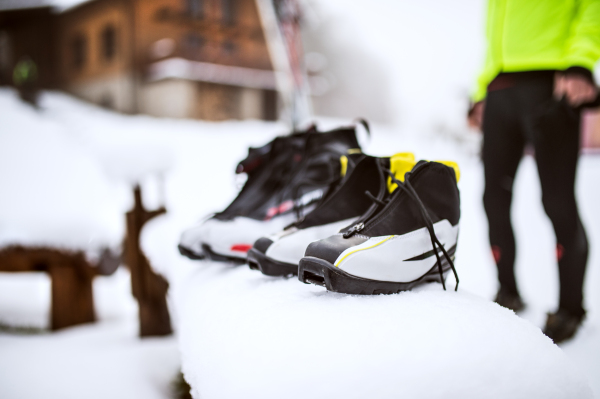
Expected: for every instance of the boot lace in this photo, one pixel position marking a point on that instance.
(435, 242)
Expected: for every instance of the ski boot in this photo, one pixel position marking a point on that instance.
(409, 239)
(298, 170)
(279, 254)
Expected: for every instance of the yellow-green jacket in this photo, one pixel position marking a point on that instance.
(531, 35)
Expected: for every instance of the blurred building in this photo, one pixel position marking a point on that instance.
(205, 59)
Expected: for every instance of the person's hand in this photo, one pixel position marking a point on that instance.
(576, 89)
(475, 115)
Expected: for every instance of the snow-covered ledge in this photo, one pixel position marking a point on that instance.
(245, 335)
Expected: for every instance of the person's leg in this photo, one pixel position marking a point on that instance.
(556, 141)
(503, 144)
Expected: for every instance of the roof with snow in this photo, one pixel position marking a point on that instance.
(22, 4)
(59, 5)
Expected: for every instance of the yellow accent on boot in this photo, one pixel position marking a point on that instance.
(337, 264)
(354, 151)
(400, 164)
(454, 166)
(343, 165)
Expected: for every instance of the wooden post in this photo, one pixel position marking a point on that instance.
(72, 294)
(71, 278)
(149, 288)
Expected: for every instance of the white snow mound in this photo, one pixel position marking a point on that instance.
(54, 193)
(245, 335)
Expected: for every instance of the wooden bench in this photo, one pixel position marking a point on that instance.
(72, 276)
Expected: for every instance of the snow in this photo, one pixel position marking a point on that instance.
(66, 175)
(279, 338)
(240, 331)
(96, 361)
(417, 60)
(64, 5)
(270, 334)
(85, 362)
(55, 193)
(58, 5)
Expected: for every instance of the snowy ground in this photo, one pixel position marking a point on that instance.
(109, 361)
(98, 361)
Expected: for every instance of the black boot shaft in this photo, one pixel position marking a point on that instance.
(435, 185)
(350, 200)
(267, 167)
(300, 168)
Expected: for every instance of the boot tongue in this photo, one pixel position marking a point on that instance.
(404, 162)
(339, 140)
(400, 164)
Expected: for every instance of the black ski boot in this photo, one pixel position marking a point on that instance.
(280, 253)
(408, 239)
(300, 169)
(265, 167)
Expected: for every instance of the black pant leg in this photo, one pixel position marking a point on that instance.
(503, 144)
(555, 134)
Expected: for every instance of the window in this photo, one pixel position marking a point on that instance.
(228, 47)
(195, 8)
(192, 44)
(194, 41)
(106, 101)
(162, 14)
(109, 42)
(269, 105)
(4, 53)
(228, 11)
(79, 51)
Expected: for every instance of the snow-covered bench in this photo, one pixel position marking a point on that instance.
(245, 335)
(64, 199)
(72, 274)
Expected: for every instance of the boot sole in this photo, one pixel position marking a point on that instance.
(317, 271)
(207, 253)
(267, 266)
(188, 253)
